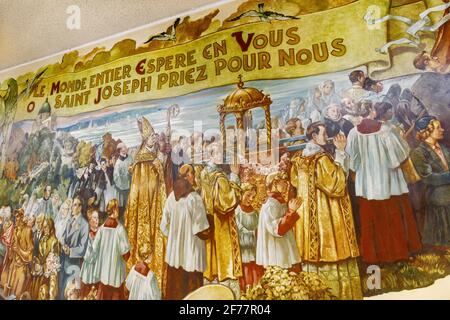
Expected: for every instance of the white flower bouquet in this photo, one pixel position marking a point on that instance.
(52, 265)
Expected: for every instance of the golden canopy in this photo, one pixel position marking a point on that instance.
(239, 103)
(243, 99)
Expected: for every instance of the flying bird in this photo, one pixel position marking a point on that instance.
(166, 36)
(30, 85)
(265, 16)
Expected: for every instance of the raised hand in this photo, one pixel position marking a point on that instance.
(294, 204)
(340, 141)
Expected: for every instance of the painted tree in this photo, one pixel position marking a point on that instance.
(9, 98)
(8, 105)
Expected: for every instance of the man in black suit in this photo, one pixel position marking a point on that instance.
(104, 184)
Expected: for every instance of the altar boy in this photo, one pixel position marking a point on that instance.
(276, 243)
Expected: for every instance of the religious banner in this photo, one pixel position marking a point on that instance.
(293, 48)
(258, 150)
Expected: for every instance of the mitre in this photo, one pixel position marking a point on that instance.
(146, 128)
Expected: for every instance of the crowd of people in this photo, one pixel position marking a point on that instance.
(370, 185)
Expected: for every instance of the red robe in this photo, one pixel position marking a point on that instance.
(389, 231)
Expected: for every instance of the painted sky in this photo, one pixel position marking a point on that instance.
(121, 121)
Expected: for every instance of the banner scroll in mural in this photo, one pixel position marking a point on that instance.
(401, 56)
(322, 42)
(317, 43)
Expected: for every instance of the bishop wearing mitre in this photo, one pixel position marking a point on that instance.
(146, 202)
(325, 232)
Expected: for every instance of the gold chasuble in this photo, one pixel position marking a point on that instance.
(325, 232)
(46, 245)
(22, 254)
(223, 254)
(144, 211)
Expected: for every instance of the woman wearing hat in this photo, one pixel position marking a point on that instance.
(431, 161)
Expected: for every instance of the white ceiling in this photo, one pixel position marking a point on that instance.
(33, 29)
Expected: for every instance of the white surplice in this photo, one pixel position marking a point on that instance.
(271, 248)
(142, 287)
(247, 224)
(180, 223)
(87, 273)
(376, 159)
(106, 252)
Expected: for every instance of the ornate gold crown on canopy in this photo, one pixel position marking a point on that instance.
(239, 103)
(243, 99)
